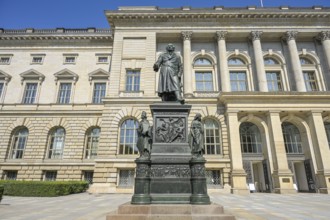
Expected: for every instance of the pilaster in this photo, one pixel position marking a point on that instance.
(187, 74)
(259, 60)
(290, 37)
(282, 176)
(224, 73)
(321, 151)
(238, 175)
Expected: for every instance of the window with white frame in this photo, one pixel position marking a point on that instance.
(102, 58)
(292, 138)
(4, 79)
(99, 92)
(2, 86)
(18, 143)
(30, 93)
(212, 137)
(310, 81)
(92, 140)
(204, 71)
(126, 178)
(132, 80)
(11, 174)
(327, 130)
(64, 93)
(56, 143)
(37, 58)
(310, 74)
(213, 179)
(238, 74)
(5, 59)
(128, 137)
(250, 138)
(50, 175)
(274, 81)
(70, 58)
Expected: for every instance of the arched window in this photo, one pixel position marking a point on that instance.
(204, 74)
(327, 129)
(273, 74)
(128, 137)
(238, 74)
(310, 74)
(250, 138)
(57, 137)
(92, 143)
(292, 138)
(19, 143)
(212, 137)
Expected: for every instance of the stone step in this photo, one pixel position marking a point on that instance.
(170, 217)
(128, 211)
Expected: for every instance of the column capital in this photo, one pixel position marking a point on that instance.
(255, 35)
(324, 35)
(186, 35)
(221, 35)
(290, 35)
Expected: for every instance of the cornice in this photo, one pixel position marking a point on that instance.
(55, 34)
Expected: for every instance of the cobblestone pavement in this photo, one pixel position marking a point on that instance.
(95, 207)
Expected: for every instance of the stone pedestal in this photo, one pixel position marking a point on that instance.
(171, 176)
(172, 212)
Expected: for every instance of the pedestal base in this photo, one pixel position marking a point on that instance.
(170, 212)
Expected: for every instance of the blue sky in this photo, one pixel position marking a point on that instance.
(17, 14)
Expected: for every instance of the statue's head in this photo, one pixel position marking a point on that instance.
(170, 47)
(198, 116)
(144, 115)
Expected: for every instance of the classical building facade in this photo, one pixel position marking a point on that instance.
(70, 99)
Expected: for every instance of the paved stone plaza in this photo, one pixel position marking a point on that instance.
(95, 207)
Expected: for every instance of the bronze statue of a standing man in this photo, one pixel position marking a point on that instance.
(169, 85)
(144, 136)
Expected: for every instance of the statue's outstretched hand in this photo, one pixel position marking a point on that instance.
(156, 67)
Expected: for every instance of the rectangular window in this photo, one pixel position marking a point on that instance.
(30, 93)
(274, 81)
(1, 88)
(88, 176)
(213, 179)
(310, 81)
(11, 174)
(102, 59)
(204, 81)
(238, 81)
(50, 175)
(4, 60)
(64, 93)
(37, 60)
(99, 92)
(126, 178)
(70, 59)
(133, 80)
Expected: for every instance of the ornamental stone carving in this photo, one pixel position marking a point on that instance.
(186, 35)
(255, 35)
(290, 35)
(181, 171)
(170, 130)
(142, 170)
(198, 170)
(324, 35)
(221, 35)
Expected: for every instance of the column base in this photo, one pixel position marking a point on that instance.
(283, 182)
(285, 191)
(238, 181)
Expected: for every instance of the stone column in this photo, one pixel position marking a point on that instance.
(238, 175)
(223, 62)
(321, 151)
(290, 37)
(324, 36)
(259, 60)
(187, 74)
(282, 176)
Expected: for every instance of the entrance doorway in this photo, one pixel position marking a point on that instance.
(257, 176)
(303, 178)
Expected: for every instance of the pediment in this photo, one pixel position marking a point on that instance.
(66, 74)
(99, 74)
(32, 74)
(4, 76)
